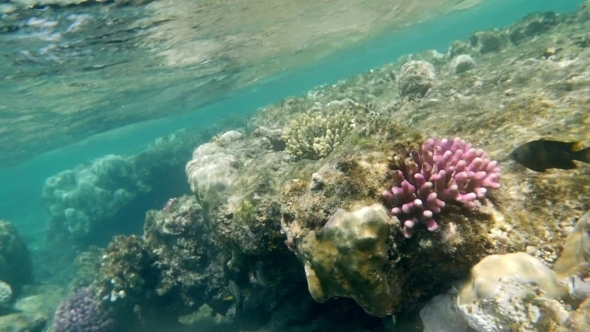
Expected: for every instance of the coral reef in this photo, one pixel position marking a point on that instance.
(92, 202)
(80, 201)
(449, 169)
(86, 264)
(16, 267)
(175, 268)
(81, 312)
(346, 237)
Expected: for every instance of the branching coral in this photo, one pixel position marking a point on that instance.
(316, 133)
(314, 136)
(445, 170)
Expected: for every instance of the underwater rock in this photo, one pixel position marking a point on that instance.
(579, 320)
(16, 266)
(484, 276)
(210, 173)
(519, 291)
(171, 271)
(461, 64)
(235, 186)
(576, 250)
(5, 295)
(227, 138)
(274, 136)
(440, 314)
(23, 322)
(346, 258)
(514, 304)
(489, 41)
(532, 25)
(415, 79)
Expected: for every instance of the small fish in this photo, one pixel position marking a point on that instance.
(541, 155)
(237, 295)
(259, 274)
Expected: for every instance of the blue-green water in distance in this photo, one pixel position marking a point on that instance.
(21, 185)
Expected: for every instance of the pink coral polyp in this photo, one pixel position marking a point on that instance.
(442, 171)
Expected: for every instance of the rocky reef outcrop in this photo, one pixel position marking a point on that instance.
(16, 266)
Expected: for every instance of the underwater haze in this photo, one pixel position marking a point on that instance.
(293, 165)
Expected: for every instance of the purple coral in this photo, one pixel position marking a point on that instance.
(81, 313)
(445, 170)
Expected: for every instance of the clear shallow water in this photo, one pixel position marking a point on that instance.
(22, 184)
(98, 67)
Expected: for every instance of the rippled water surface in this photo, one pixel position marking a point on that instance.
(71, 72)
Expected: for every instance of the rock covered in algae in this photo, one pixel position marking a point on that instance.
(461, 64)
(517, 292)
(172, 270)
(416, 77)
(440, 314)
(516, 305)
(5, 295)
(236, 184)
(16, 266)
(576, 251)
(346, 258)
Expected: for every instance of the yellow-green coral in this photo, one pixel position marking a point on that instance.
(313, 135)
(346, 258)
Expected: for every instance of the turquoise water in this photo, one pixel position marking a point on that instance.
(22, 184)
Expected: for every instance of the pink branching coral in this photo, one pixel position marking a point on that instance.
(445, 170)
